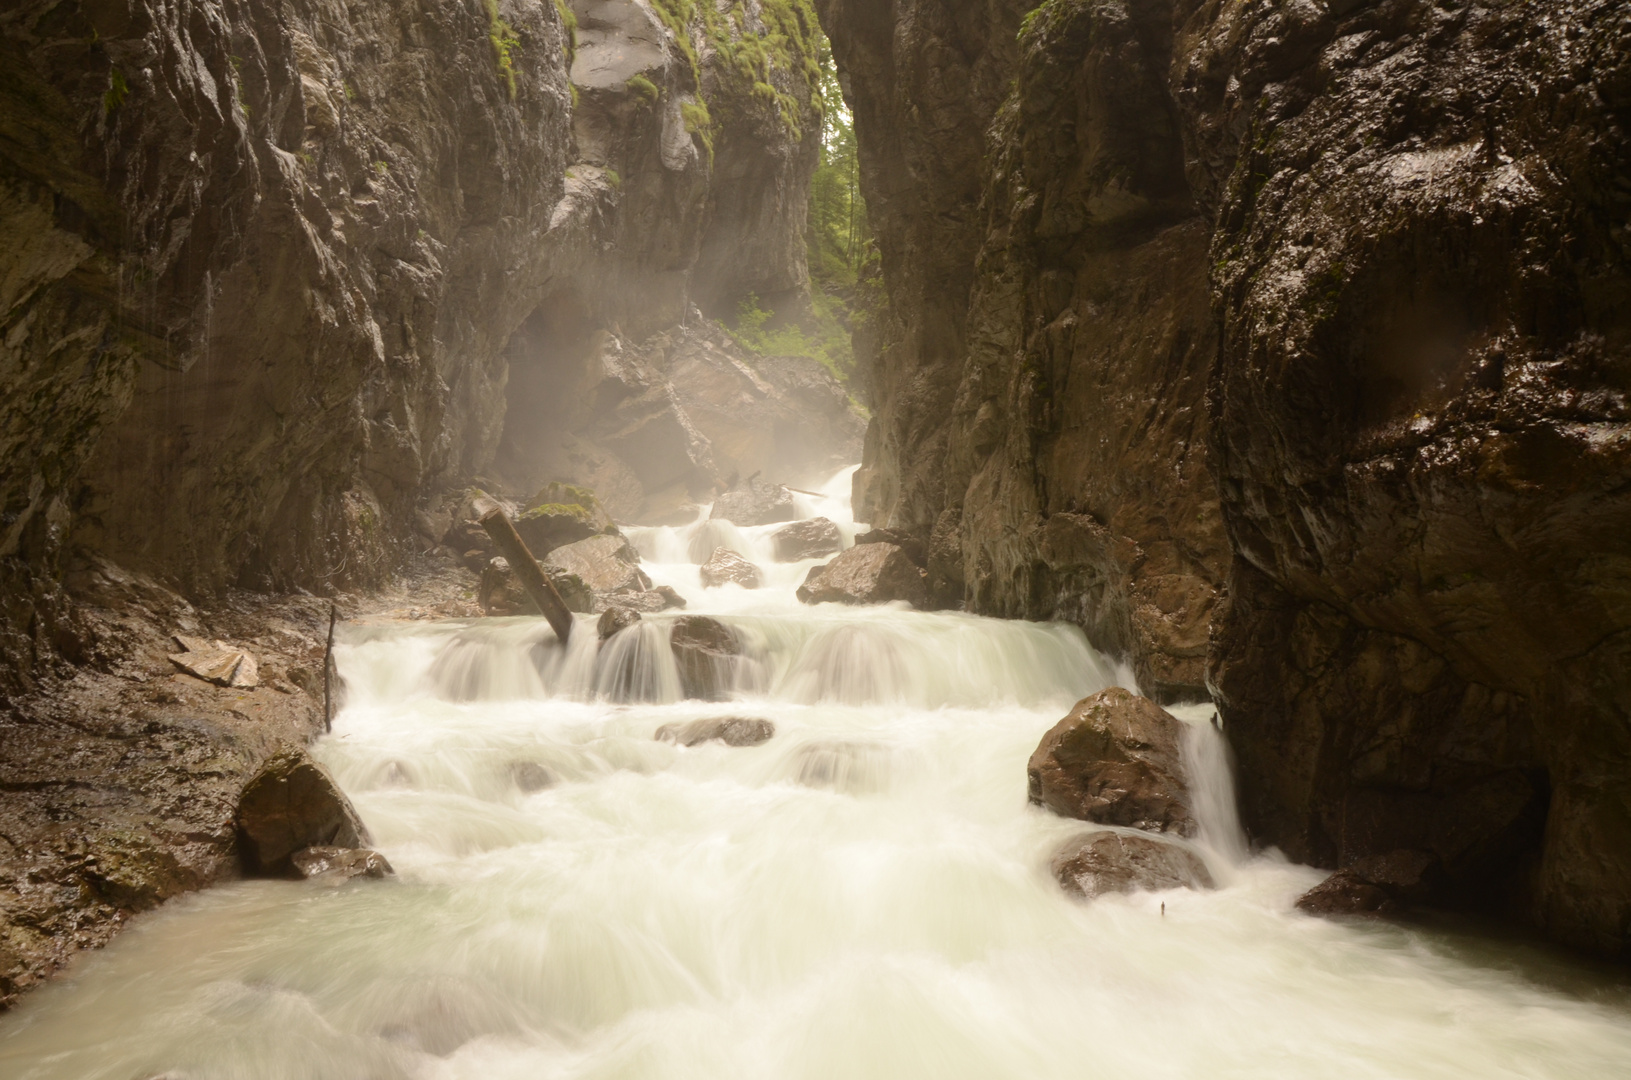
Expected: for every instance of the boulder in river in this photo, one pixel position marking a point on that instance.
(726, 567)
(1114, 760)
(704, 650)
(807, 540)
(755, 503)
(333, 865)
(913, 545)
(1346, 893)
(730, 730)
(562, 514)
(614, 619)
(529, 776)
(607, 564)
(291, 804)
(867, 574)
(850, 768)
(1377, 884)
(1090, 866)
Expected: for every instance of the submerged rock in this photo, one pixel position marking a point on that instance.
(529, 776)
(867, 574)
(1346, 893)
(703, 650)
(850, 768)
(333, 865)
(291, 804)
(758, 503)
(670, 595)
(1114, 760)
(615, 619)
(607, 564)
(1107, 862)
(807, 540)
(726, 567)
(730, 730)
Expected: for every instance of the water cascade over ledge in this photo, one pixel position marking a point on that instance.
(865, 895)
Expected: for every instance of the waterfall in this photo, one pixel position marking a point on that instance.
(866, 895)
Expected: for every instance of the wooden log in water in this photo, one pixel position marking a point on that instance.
(538, 586)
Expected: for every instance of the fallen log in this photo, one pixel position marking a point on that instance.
(540, 588)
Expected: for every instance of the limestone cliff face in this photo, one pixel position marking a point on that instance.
(1039, 395)
(1319, 307)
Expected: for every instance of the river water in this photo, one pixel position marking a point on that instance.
(864, 896)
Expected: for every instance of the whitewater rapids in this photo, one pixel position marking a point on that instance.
(737, 914)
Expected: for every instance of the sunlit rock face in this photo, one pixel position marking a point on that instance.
(1319, 307)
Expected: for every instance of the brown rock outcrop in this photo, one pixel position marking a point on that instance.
(726, 567)
(1106, 862)
(867, 574)
(291, 804)
(806, 540)
(606, 564)
(1346, 893)
(336, 865)
(615, 619)
(1117, 760)
(755, 503)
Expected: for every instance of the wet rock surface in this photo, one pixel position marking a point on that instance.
(1117, 760)
(615, 619)
(1107, 862)
(606, 564)
(867, 574)
(293, 803)
(809, 539)
(730, 730)
(329, 865)
(500, 591)
(1347, 893)
(756, 503)
(704, 650)
(726, 567)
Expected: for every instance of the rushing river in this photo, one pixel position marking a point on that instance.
(866, 895)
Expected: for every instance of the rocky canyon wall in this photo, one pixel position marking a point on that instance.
(266, 262)
(1302, 327)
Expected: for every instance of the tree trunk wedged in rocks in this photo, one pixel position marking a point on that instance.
(1116, 760)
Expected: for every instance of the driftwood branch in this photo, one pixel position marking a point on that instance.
(539, 587)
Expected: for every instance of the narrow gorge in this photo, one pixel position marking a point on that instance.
(815, 537)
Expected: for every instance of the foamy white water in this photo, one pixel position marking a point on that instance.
(864, 896)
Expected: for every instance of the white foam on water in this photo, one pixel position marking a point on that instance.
(866, 895)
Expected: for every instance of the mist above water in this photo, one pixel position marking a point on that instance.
(866, 895)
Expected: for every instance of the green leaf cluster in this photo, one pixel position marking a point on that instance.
(505, 42)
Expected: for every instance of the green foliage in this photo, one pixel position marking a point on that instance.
(821, 334)
(505, 42)
(614, 178)
(839, 236)
(569, 19)
(118, 90)
(644, 87)
(699, 122)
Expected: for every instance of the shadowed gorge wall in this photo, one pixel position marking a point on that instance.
(1283, 347)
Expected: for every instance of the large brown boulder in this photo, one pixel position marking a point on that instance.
(756, 503)
(614, 620)
(292, 804)
(912, 544)
(704, 649)
(607, 564)
(1346, 893)
(500, 591)
(561, 514)
(1115, 760)
(867, 574)
(1106, 862)
(809, 539)
(726, 567)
